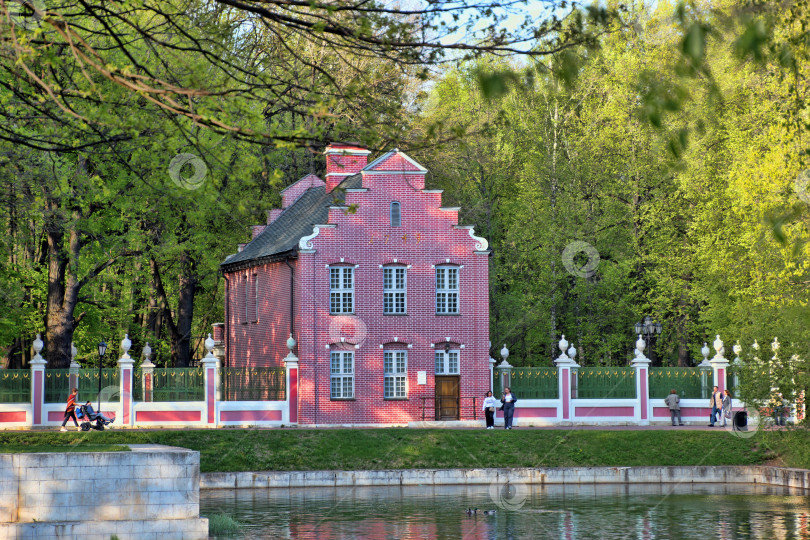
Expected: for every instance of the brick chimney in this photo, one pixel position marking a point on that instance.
(342, 160)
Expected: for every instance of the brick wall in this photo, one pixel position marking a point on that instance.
(259, 331)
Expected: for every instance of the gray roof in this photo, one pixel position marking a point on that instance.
(281, 237)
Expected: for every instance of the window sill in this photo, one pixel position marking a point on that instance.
(448, 314)
(395, 314)
(342, 399)
(345, 313)
(395, 399)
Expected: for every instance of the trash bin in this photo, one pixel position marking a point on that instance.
(741, 421)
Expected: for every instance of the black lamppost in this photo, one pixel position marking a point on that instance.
(102, 350)
(650, 329)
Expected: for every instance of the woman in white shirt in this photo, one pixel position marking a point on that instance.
(490, 403)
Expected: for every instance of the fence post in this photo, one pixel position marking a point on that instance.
(147, 374)
(74, 368)
(37, 365)
(291, 363)
(737, 363)
(719, 364)
(572, 354)
(125, 364)
(492, 363)
(705, 369)
(642, 365)
(210, 364)
(565, 365)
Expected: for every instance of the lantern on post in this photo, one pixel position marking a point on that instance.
(102, 350)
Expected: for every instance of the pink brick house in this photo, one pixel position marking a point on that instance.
(385, 294)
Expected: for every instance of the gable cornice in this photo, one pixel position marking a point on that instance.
(481, 243)
(305, 244)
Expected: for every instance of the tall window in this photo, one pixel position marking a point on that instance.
(396, 368)
(250, 288)
(396, 215)
(341, 289)
(446, 289)
(394, 291)
(342, 371)
(446, 362)
(251, 298)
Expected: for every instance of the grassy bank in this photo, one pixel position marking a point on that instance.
(352, 449)
(791, 448)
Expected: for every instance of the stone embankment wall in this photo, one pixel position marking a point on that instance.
(796, 478)
(150, 493)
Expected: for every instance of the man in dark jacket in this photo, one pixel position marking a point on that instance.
(717, 405)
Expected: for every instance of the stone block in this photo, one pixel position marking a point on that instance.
(224, 481)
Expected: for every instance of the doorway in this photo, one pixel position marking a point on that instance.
(447, 388)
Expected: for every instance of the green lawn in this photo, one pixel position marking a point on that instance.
(400, 448)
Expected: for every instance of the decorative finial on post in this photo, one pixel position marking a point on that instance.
(638, 355)
(775, 345)
(37, 346)
(126, 345)
(572, 352)
(564, 358)
(563, 344)
(73, 353)
(737, 348)
(291, 360)
(209, 345)
(147, 354)
(640, 345)
(504, 354)
(718, 347)
(705, 352)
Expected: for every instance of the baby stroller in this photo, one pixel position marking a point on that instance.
(93, 420)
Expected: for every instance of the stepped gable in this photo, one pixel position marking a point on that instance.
(291, 193)
(282, 235)
(395, 160)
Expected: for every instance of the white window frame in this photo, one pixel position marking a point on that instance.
(341, 369)
(447, 289)
(341, 290)
(395, 291)
(395, 368)
(447, 362)
(398, 221)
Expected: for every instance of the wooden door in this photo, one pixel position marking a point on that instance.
(447, 397)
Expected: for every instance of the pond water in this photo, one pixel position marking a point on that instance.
(720, 512)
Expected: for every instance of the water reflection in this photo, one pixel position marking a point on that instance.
(725, 512)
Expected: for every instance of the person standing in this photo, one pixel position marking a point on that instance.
(70, 410)
(717, 405)
(508, 406)
(490, 403)
(726, 406)
(673, 402)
